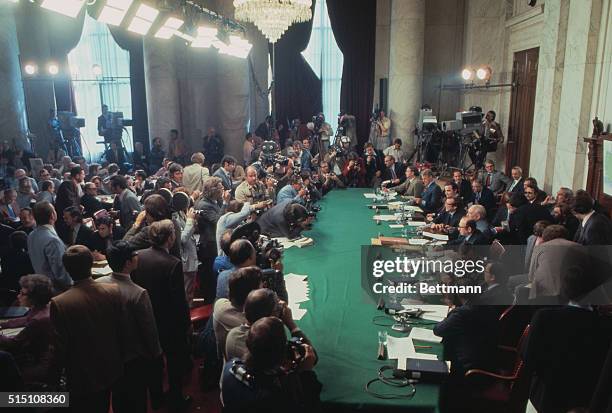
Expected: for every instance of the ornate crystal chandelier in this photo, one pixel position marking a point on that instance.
(273, 17)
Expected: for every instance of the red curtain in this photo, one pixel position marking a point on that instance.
(355, 32)
(297, 89)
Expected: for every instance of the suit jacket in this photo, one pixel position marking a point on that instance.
(465, 190)
(46, 250)
(477, 238)
(518, 188)
(409, 188)
(273, 223)
(431, 198)
(207, 223)
(399, 173)
(376, 164)
(497, 181)
(226, 180)
(91, 205)
(194, 176)
(5, 211)
(469, 334)
(565, 350)
(486, 199)
(140, 333)
(67, 196)
(127, 206)
(597, 231)
(161, 274)
(448, 219)
(89, 343)
(550, 261)
(83, 237)
(522, 220)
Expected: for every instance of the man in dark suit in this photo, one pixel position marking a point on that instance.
(517, 183)
(451, 215)
(392, 173)
(482, 196)
(104, 124)
(78, 233)
(90, 203)
(431, 199)
(566, 347)
(469, 234)
(373, 164)
(140, 335)
(212, 204)
(595, 228)
(129, 205)
(228, 164)
(522, 217)
(89, 344)
(494, 180)
(161, 274)
(465, 189)
(69, 194)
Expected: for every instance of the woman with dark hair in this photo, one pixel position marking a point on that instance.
(31, 346)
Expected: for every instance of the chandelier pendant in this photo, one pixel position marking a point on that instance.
(273, 17)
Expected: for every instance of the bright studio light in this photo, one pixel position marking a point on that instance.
(30, 69)
(70, 8)
(467, 74)
(96, 70)
(114, 11)
(237, 47)
(206, 37)
(484, 73)
(142, 22)
(53, 69)
(169, 28)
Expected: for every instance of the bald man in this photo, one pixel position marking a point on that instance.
(251, 190)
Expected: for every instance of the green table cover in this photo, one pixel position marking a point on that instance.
(338, 319)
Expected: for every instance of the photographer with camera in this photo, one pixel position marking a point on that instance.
(287, 220)
(293, 191)
(252, 190)
(260, 303)
(354, 171)
(329, 179)
(379, 130)
(373, 165)
(241, 254)
(274, 372)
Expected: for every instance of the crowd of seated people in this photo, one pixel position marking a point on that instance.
(166, 226)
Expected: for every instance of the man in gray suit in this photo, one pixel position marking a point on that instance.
(141, 341)
(128, 203)
(412, 186)
(496, 181)
(46, 248)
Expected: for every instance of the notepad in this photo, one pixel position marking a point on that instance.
(441, 237)
(384, 217)
(424, 334)
(400, 348)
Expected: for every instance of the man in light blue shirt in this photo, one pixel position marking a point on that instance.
(293, 191)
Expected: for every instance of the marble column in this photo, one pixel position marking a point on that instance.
(259, 106)
(162, 88)
(13, 120)
(32, 32)
(406, 67)
(576, 93)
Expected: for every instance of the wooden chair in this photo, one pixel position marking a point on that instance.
(504, 392)
(200, 315)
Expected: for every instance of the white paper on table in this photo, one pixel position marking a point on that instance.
(297, 312)
(298, 292)
(285, 242)
(413, 208)
(418, 241)
(370, 195)
(400, 348)
(416, 223)
(11, 332)
(441, 237)
(423, 334)
(396, 226)
(424, 356)
(433, 312)
(384, 217)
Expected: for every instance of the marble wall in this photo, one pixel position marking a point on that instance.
(13, 122)
(383, 38)
(406, 67)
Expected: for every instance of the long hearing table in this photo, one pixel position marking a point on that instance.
(338, 320)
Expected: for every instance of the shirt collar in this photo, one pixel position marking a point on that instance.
(586, 218)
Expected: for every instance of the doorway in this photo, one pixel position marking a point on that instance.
(522, 102)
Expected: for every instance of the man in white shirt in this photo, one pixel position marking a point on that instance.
(396, 151)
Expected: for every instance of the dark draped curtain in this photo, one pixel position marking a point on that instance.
(297, 89)
(354, 28)
(64, 35)
(133, 43)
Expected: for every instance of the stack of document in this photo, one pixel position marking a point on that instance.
(300, 242)
(402, 348)
(298, 292)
